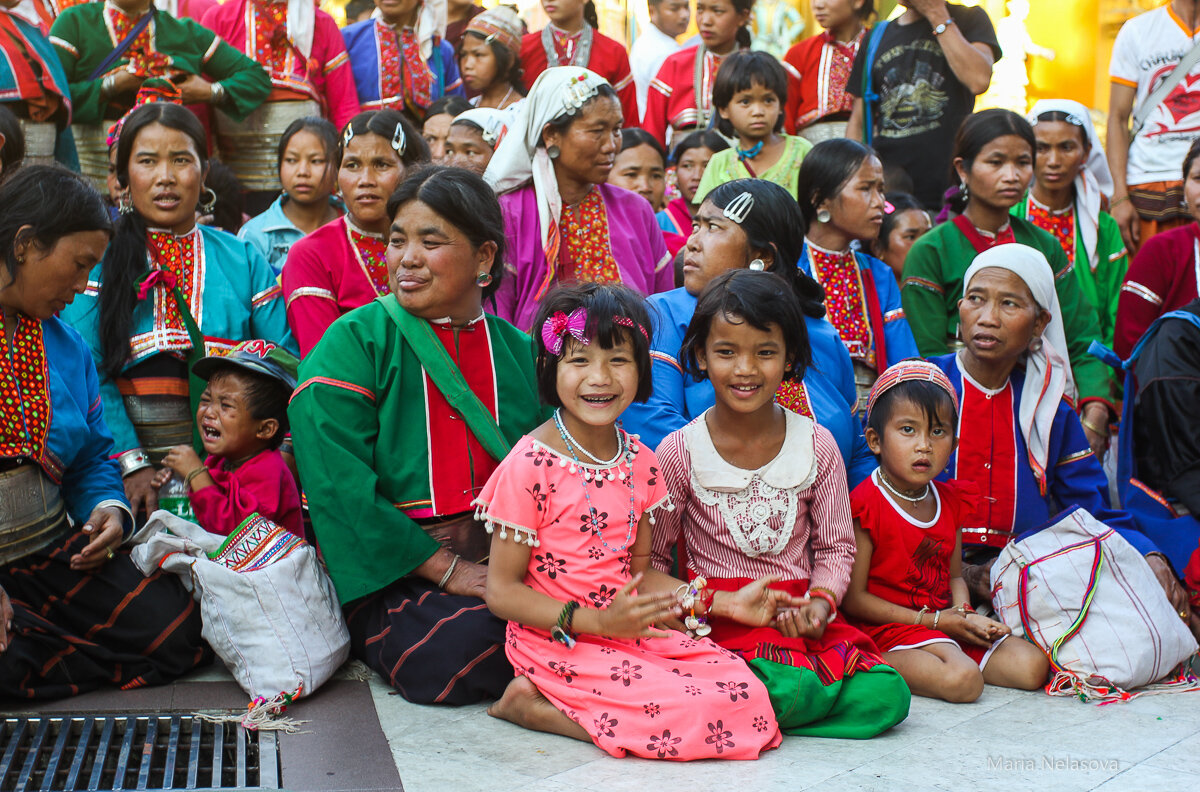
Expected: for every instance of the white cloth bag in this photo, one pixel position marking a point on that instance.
(1080, 570)
(268, 607)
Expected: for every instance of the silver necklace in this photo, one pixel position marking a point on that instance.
(571, 441)
(883, 479)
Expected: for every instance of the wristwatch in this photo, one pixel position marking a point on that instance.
(942, 28)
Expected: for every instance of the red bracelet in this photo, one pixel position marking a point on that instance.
(826, 595)
(706, 600)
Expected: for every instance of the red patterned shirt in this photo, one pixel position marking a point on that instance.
(794, 396)
(24, 391)
(402, 71)
(1060, 223)
(271, 44)
(370, 250)
(584, 228)
(144, 60)
(180, 256)
(845, 300)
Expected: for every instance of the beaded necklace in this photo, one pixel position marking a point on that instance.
(883, 479)
(625, 450)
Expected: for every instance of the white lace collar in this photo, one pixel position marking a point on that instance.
(795, 466)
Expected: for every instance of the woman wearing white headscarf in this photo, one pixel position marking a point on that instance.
(1019, 439)
(564, 223)
(1071, 180)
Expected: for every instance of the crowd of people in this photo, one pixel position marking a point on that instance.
(605, 384)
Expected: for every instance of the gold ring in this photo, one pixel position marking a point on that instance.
(109, 553)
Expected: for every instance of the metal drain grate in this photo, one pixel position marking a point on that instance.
(94, 752)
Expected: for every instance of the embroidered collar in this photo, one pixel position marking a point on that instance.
(156, 230)
(350, 224)
(794, 467)
(1056, 212)
(846, 253)
(445, 320)
(992, 234)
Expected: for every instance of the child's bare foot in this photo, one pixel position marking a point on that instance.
(525, 706)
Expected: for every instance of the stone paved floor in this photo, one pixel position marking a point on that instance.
(1006, 740)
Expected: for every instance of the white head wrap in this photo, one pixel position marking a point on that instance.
(520, 157)
(1048, 374)
(431, 24)
(1094, 179)
(493, 122)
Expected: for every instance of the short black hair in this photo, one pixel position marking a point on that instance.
(450, 105)
(739, 72)
(322, 128)
(607, 306)
(701, 138)
(465, 200)
(632, 137)
(53, 202)
(508, 63)
(266, 396)
(760, 298)
(825, 170)
(389, 125)
(924, 394)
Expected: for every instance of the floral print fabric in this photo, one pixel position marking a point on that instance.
(584, 228)
(664, 698)
(24, 391)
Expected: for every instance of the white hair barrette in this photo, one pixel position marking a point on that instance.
(739, 208)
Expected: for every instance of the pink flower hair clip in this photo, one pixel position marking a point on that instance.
(556, 327)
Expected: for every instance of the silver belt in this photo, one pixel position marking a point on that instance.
(250, 147)
(40, 137)
(161, 422)
(32, 512)
(91, 144)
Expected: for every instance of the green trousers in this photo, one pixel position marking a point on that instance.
(856, 707)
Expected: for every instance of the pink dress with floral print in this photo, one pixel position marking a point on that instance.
(666, 698)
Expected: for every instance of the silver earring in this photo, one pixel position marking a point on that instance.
(758, 265)
(125, 203)
(553, 152)
(962, 190)
(483, 280)
(208, 201)
(1035, 345)
(823, 216)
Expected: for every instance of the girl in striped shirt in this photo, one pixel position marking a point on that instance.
(760, 491)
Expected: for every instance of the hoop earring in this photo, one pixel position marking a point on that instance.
(823, 216)
(125, 203)
(208, 201)
(758, 265)
(553, 152)
(483, 280)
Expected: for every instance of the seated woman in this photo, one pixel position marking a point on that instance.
(564, 223)
(473, 137)
(75, 613)
(760, 494)
(307, 150)
(206, 70)
(167, 291)
(401, 59)
(378, 489)
(489, 58)
(680, 96)
(841, 197)
(1071, 178)
(753, 224)
(818, 105)
(34, 87)
(572, 38)
(1019, 440)
(994, 157)
(341, 265)
(1163, 274)
(690, 159)
(904, 222)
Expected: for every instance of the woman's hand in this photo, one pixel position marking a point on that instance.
(972, 628)
(632, 615)
(195, 90)
(1096, 414)
(807, 621)
(468, 580)
(6, 620)
(1170, 584)
(125, 82)
(1128, 221)
(754, 604)
(105, 526)
(140, 492)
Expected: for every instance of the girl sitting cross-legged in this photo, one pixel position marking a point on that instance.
(570, 510)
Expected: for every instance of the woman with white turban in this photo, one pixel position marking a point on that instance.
(564, 223)
(1071, 180)
(1019, 439)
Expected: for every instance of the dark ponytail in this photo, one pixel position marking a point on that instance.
(125, 260)
(589, 14)
(743, 32)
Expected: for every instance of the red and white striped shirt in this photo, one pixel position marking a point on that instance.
(793, 514)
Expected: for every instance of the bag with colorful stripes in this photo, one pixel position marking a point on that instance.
(1088, 599)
